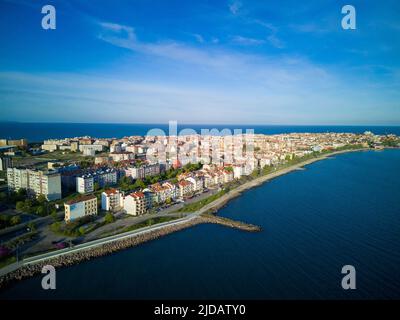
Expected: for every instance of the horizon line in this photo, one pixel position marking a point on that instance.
(207, 124)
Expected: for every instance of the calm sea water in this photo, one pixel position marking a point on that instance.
(344, 210)
(36, 132)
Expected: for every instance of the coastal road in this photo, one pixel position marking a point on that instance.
(94, 243)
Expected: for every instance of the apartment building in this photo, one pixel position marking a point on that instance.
(81, 207)
(85, 184)
(36, 182)
(137, 203)
(112, 200)
(185, 188)
(162, 192)
(143, 171)
(92, 148)
(5, 163)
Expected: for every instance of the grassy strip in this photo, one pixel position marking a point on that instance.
(192, 207)
(21, 239)
(6, 261)
(148, 223)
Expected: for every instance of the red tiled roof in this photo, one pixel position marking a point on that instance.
(111, 191)
(137, 194)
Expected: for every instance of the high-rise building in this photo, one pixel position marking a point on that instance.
(36, 182)
(5, 163)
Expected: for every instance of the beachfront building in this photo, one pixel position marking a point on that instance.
(112, 200)
(162, 192)
(137, 203)
(185, 188)
(197, 182)
(35, 182)
(80, 207)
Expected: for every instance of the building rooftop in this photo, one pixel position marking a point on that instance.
(81, 199)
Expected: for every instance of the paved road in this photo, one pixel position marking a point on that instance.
(22, 226)
(101, 241)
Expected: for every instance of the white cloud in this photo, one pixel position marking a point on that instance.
(247, 41)
(199, 38)
(235, 6)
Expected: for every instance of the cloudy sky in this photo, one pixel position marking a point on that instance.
(250, 62)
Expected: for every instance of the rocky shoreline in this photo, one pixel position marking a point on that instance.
(69, 259)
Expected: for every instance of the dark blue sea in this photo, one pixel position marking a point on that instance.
(340, 211)
(36, 132)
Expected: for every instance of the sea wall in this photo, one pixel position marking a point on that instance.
(30, 270)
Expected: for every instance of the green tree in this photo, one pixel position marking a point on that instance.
(81, 231)
(3, 196)
(41, 211)
(31, 225)
(109, 218)
(21, 192)
(54, 216)
(15, 220)
(139, 184)
(20, 206)
(41, 199)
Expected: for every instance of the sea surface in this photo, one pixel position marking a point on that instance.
(36, 132)
(341, 211)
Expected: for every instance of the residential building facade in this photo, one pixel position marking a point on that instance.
(81, 207)
(112, 200)
(36, 182)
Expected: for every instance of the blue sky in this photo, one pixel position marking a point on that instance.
(250, 62)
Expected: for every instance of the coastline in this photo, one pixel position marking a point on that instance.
(223, 200)
(67, 259)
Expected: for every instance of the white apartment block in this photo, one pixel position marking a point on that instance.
(85, 183)
(121, 156)
(112, 200)
(143, 171)
(36, 182)
(185, 188)
(136, 203)
(91, 147)
(80, 207)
